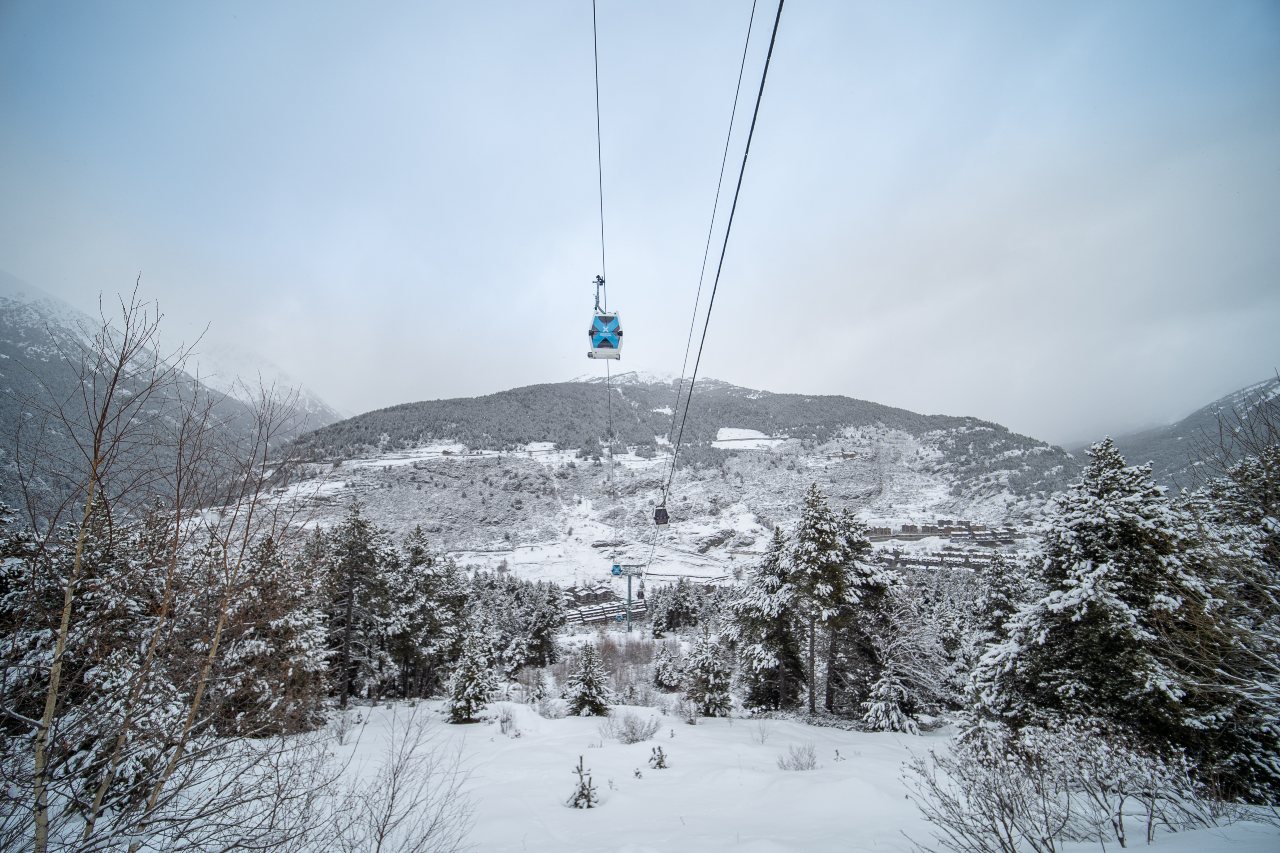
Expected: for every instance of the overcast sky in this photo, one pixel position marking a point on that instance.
(1064, 217)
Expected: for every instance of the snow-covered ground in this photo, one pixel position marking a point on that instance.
(728, 438)
(723, 789)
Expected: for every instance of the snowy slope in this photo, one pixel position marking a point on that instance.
(722, 790)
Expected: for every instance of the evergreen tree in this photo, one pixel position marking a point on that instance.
(885, 709)
(359, 606)
(1113, 575)
(668, 668)
(588, 692)
(1233, 654)
(862, 634)
(674, 606)
(707, 679)
(819, 576)
(473, 683)
(762, 626)
(1002, 587)
(272, 669)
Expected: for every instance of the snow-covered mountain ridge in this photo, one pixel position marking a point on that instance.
(521, 477)
(1171, 449)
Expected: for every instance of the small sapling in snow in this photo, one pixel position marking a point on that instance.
(584, 795)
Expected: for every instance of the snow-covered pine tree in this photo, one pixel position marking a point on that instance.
(271, 674)
(1113, 573)
(584, 792)
(1233, 656)
(427, 616)
(1002, 587)
(674, 606)
(885, 707)
(818, 576)
(473, 683)
(359, 607)
(763, 627)
(668, 667)
(862, 633)
(587, 692)
(708, 676)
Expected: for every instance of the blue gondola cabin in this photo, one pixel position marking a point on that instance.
(606, 336)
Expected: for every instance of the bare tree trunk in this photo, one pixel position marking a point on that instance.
(41, 793)
(832, 635)
(117, 358)
(813, 681)
(190, 446)
(346, 634)
(240, 527)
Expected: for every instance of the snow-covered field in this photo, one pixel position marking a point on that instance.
(723, 789)
(728, 438)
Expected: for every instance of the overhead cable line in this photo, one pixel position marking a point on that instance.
(711, 226)
(746, 152)
(602, 291)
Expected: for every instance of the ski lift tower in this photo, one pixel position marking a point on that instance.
(629, 571)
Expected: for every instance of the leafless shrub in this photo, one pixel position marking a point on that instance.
(627, 727)
(343, 724)
(507, 721)
(799, 758)
(760, 732)
(552, 708)
(415, 804)
(1037, 790)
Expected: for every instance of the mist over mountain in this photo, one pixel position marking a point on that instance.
(43, 342)
(1172, 450)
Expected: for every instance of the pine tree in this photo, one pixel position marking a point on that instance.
(707, 679)
(584, 792)
(1232, 653)
(668, 668)
(359, 606)
(885, 708)
(1002, 587)
(762, 626)
(1113, 573)
(273, 665)
(473, 683)
(588, 692)
(829, 578)
(862, 634)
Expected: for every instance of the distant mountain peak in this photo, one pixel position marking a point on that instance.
(630, 377)
(1170, 448)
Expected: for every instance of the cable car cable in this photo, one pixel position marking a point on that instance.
(675, 455)
(602, 288)
(706, 250)
(746, 153)
(595, 54)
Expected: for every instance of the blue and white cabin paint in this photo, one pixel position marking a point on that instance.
(606, 336)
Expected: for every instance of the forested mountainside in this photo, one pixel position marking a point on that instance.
(43, 346)
(576, 416)
(1173, 450)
